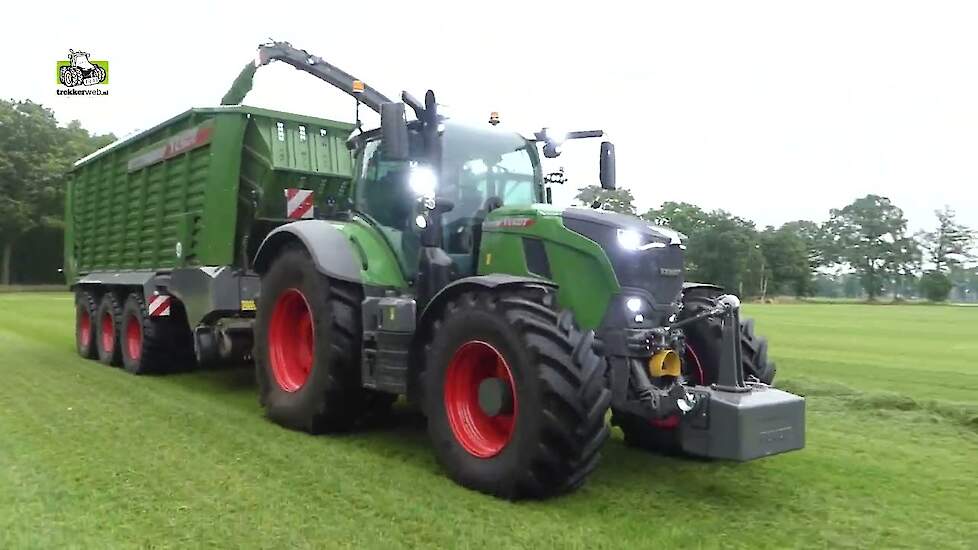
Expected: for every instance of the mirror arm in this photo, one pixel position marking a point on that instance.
(414, 104)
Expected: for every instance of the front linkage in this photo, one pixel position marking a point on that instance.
(728, 418)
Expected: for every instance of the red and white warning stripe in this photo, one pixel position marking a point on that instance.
(298, 203)
(159, 306)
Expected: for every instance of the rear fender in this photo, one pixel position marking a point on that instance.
(331, 250)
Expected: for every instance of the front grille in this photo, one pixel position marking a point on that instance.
(658, 270)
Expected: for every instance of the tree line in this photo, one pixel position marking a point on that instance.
(35, 154)
(862, 251)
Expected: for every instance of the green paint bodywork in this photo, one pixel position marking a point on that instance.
(379, 265)
(586, 281)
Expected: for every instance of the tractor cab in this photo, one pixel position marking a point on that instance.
(479, 170)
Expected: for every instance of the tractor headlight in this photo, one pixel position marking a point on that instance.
(423, 180)
(629, 239)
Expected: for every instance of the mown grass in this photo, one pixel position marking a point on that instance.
(92, 457)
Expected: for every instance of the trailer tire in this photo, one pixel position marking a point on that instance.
(85, 325)
(701, 362)
(148, 343)
(544, 438)
(107, 317)
(307, 347)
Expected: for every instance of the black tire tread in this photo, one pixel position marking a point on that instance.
(162, 342)
(110, 302)
(343, 402)
(575, 395)
(85, 299)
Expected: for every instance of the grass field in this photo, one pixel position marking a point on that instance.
(93, 457)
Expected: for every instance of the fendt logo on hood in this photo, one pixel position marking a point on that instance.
(79, 72)
(520, 221)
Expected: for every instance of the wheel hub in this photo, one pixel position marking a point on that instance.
(495, 397)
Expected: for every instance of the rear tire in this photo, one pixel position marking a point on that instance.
(701, 363)
(107, 317)
(307, 347)
(546, 439)
(148, 343)
(85, 331)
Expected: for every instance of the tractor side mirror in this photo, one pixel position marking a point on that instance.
(394, 132)
(607, 166)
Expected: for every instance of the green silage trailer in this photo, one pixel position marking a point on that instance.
(198, 189)
(179, 211)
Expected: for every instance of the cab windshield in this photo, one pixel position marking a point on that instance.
(480, 163)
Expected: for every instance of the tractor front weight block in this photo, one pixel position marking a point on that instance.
(743, 426)
(736, 420)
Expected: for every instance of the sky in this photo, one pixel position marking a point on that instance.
(773, 111)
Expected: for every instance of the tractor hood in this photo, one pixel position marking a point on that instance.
(624, 222)
(645, 257)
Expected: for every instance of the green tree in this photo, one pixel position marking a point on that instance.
(35, 153)
(965, 282)
(935, 285)
(787, 261)
(720, 246)
(950, 244)
(869, 236)
(616, 200)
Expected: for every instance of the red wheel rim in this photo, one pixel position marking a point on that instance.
(478, 433)
(134, 337)
(84, 327)
(696, 364)
(108, 332)
(291, 342)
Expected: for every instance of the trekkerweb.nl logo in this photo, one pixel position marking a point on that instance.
(79, 75)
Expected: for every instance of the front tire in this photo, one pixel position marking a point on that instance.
(307, 347)
(546, 425)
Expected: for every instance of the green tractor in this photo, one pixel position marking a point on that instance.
(444, 274)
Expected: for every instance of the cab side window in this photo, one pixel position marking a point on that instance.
(383, 194)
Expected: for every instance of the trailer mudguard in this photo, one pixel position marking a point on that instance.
(331, 250)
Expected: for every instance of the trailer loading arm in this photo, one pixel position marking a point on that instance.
(306, 62)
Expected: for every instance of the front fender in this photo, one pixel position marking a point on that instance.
(687, 286)
(476, 282)
(331, 250)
